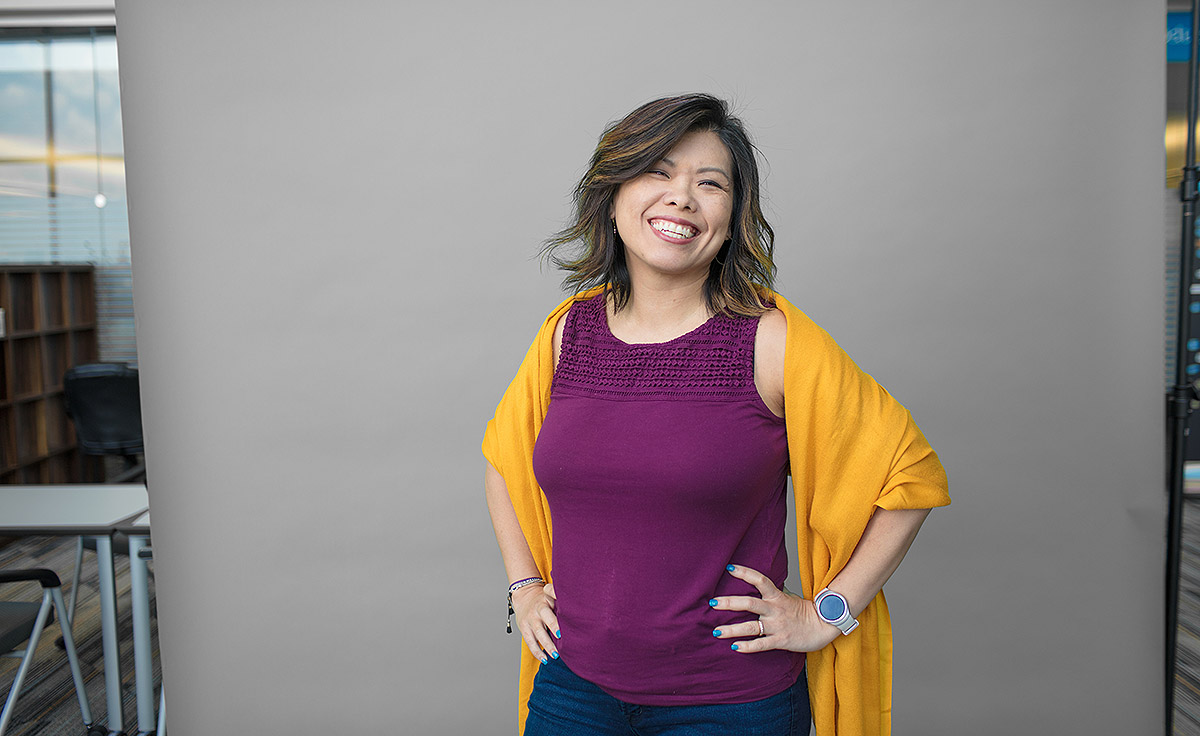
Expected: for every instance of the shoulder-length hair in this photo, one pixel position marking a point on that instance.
(743, 269)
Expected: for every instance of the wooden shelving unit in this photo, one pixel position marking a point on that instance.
(49, 326)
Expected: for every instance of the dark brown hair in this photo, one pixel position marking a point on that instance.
(743, 268)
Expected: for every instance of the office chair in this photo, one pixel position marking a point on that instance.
(104, 402)
(23, 622)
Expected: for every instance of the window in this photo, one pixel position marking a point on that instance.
(62, 166)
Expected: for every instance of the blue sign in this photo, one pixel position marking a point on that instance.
(1179, 36)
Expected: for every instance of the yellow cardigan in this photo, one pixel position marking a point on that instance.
(851, 447)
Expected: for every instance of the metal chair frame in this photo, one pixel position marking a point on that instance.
(51, 598)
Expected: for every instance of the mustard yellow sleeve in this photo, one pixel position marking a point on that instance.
(852, 448)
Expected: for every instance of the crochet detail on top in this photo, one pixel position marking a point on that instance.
(714, 362)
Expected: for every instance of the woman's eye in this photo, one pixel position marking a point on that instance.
(658, 172)
(710, 182)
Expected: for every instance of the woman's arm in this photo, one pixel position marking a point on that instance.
(885, 541)
(790, 621)
(533, 605)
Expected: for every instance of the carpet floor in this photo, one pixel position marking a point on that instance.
(1187, 647)
(47, 704)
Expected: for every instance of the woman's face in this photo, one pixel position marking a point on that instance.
(674, 218)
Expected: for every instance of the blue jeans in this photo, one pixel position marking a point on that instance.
(565, 704)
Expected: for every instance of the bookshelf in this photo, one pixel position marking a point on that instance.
(49, 325)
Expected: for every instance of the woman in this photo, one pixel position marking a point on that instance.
(653, 423)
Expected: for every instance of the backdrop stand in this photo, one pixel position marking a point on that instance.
(1182, 393)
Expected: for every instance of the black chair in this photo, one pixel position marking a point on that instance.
(23, 622)
(104, 402)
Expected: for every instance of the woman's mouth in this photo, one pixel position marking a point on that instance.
(674, 232)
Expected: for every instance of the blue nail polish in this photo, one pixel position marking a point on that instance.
(716, 632)
(557, 634)
(729, 568)
(712, 602)
(733, 647)
(554, 654)
(545, 661)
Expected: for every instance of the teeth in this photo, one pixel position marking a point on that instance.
(672, 228)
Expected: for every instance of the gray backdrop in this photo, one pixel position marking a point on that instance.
(335, 212)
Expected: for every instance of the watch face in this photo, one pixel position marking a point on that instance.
(832, 607)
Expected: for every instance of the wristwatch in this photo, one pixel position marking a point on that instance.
(833, 609)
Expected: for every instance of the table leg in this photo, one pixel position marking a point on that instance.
(143, 674)
(108, 629)
(162, 711)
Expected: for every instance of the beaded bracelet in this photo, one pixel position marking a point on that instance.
(522, 583)
(514, 588)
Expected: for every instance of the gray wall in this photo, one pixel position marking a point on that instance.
(334, 219)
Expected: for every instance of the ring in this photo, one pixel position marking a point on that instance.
(761, 630)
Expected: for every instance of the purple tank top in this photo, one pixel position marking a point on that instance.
(661, 465)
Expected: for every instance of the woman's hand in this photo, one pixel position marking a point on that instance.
(788, 621)
(533, 606)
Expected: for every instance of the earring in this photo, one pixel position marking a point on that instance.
(614, 224)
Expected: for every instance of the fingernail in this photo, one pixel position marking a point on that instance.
(545, 661)
(729, 568)
(712, 601)
(733, 647)
(554, 654)
(557, 634)
(716, 632)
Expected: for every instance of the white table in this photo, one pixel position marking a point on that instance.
(83, 510)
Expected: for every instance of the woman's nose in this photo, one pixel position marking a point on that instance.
(679, 193)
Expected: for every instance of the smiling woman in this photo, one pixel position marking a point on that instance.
(654, 424)
(675, 218)
(639, 147)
